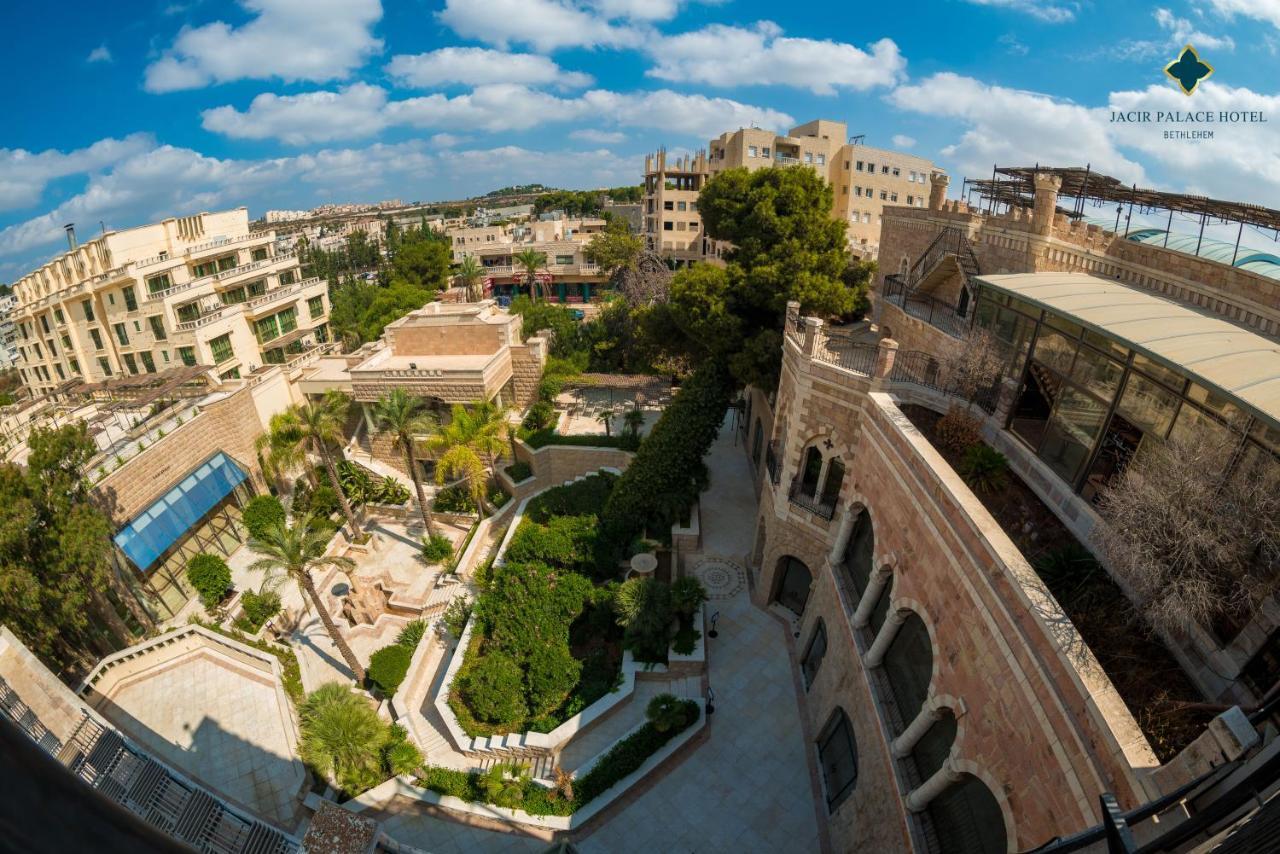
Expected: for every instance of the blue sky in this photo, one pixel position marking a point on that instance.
(126, 112)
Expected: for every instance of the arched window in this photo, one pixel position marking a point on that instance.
(838, 756)
(831, 484)
(880, 611)
(966, 819)
(756, 442)
(810, 472)
(794, 580)
(934, 746)
(908, 665)
(814, 653)
(858, 555)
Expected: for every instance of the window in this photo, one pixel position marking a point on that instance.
(315, 307)
(884, 170)
(97, 338)
(44, 323)
(844, 189)
(227, 262)
(838, 756)
(164, 356)
(104, 365)
(187, 355)
(810, 472)
(288, 320)
(233, 296)
(221, 348)
(75, 366)
(680, 206)
(259, 254)
(830, 494)
(813, 653)
(59, 316)
(111, 300)
(53, 351)
(147, 362)
(288, 277)
(121, 335)
(752, 151)
(933, 748)
(668, 226)
(966, 817)
(157, 327)
(897, 172)
(908, 664)
(794, 581)
(808, 157)
(256, 289)
(822, 160)
(668, 206)
(764, 152)
(911, 200)
(884, 195)
(155, 284)
(233, 374)
(911, 177)
(859, 165)
(893, 197)
(188, 312)
(39, 352)
(130, 300)
(87, 305)
(564, 259)
(130, 363)
(66, 341)
(871, 167)
(61, 374)
(206, 268)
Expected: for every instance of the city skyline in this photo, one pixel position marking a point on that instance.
(274, 104)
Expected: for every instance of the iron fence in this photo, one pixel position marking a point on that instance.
(931, 310)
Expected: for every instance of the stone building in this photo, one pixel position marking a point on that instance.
(200, 289)
(864, 181)
(951, 701)
(568, 275)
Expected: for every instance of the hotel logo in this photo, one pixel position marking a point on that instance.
(1188, 70)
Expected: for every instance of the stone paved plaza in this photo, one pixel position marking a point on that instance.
(748, 787)
(207, 718)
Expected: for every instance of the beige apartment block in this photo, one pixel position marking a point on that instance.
(863, 180)
(571, 277)
(195, 290)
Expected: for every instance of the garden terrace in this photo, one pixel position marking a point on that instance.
(1145, 673)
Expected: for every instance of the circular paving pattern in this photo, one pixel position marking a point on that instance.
(722, 579)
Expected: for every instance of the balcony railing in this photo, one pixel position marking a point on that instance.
(280, 293)
(931, 310)
(810, 503)
(213, 278)
(843, 351)
(785, 160)
(216, 243)
(206, 319)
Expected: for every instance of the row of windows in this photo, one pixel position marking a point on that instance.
(679, 206)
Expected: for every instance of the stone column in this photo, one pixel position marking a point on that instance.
(793, 316)
(905, 743)
(893, 622)
(886, 352)
(938, 182)
(1046, 204)
(875, 584)
(812, 329)
(1008, 395)
(918, 799)
(842, 538)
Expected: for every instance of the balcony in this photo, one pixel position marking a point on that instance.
(203, 320)
(932, 311)
(214, 278)
(277, 294)
(785, 160)
(216, 243)
(810, 503)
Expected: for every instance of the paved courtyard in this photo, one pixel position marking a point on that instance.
(747, 788)
(209, 719)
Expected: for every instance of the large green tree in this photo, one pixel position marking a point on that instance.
(785, 245)
(56, 576)
(423, 263)
(315, 427)
(401, 416)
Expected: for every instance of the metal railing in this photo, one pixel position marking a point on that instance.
(810, 503)
(217, 277)
(931, 310)
(843, 351)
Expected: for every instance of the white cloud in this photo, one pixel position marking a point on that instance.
(640, 10)
(721, 55)
(168, 181)
(903, 141)
(447, 140)
(547, 25)
(25, 174)
(353, 112)
(1015, 126)
(314, 40)
(1051, 11)
(1267, 11)
(1179, 32)
(101, 53)
(361, 110)
(603, 137)
(477, 66)
(1012, 45)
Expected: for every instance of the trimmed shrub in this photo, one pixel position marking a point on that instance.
(388, 666)
(541, 414)
(548, 436)
(564, 541)
(261, 513)
(411, 634)
(258, 608)
(210, 576)
(581, 498)
(550, 386)
(551, 673)
(666, 712)
(519, 471)
(493, 689)
(343, 737)
(456, 615)
(436, 548)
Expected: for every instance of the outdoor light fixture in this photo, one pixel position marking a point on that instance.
(711, 700)
(713, 632)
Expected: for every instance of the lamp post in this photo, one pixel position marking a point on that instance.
(711, 701)
(713, 633)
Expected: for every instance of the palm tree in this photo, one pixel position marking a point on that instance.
(606, 418)
(400, 415)
(532, 261)
(634, 420)
(314, 427)
(468, 275)
(468, 447)
(290, 553)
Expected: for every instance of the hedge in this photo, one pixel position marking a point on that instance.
(548, 436)
(668, 472)
(261, 513)
(388, 666)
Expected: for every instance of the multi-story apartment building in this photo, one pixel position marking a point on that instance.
(961, 697)
(863, 180)
(8, 333)
(195, 290)
(568, 275)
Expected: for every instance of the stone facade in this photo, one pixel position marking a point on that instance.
(1038, 723)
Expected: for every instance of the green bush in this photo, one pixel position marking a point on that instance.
(261, 513)
(411, 634)
(550, 386)
(493, 688)
(451, 782)
(541, 414)
(258, 608)
(644, 611)
(550, 674)
(388, 666)
(343, 737)
(580, 498)
(324, 502)
(687, 595)
(456, 615)
(563, 541)
(540, 438)
(436, 548)
(666, 712)
(454, 499)
(210, 576)
(519, 471)
(984, 469)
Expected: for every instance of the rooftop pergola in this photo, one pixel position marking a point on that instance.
(1014, 186)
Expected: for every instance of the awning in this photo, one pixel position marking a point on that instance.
(167, 520)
